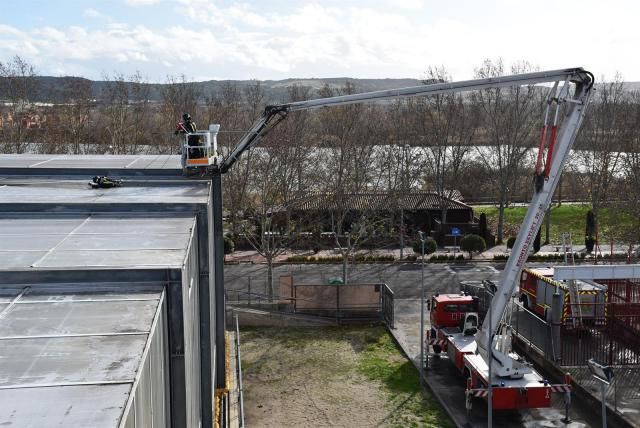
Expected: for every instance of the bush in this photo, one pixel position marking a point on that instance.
(511, 241)
(430, 246)
(472, 243)
(590, 230)
(228, 244)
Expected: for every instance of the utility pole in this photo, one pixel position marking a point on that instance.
(490, 386)
(422, 239)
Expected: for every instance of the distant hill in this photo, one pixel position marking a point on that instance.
(52, 88)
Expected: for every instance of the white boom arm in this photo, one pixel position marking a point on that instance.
(576, 106)
(545, 184)
(279, 111)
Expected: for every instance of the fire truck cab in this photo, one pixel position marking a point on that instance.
(449, 314)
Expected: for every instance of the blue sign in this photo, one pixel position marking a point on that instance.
(455, 231)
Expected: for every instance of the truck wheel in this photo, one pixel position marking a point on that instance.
(437, 349)
(525, 301)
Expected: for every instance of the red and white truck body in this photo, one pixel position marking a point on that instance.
(450, 334)
(537, 287)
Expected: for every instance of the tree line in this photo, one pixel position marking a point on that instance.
(482, 144)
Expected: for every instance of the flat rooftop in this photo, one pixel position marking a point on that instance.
(69, 355)
(35, 190)
(71, 164)
(93, 241)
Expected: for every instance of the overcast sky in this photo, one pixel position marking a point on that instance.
(277, 39)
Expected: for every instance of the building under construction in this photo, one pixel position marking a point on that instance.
(107, 300)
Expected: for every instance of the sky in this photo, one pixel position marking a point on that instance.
(279, 39)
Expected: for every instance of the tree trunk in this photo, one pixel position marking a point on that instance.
(500, 220)
(270, 278)
(344, 268)
(401, 234)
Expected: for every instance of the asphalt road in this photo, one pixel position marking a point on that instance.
(405, 281)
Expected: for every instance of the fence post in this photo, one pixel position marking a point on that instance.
(556, 321)
(338, 302)
(610, 316)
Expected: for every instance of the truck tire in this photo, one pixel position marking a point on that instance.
(437, 349)
(525, 301)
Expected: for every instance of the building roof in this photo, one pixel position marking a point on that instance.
(373, 201)
(76, 191)
(69, 355)
(32, 164)
(82, 279)
(93, 241)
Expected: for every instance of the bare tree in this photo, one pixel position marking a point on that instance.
(275, 180)
(630, 170)
(19, 87)
(401, 162)
(446, 125)
(601, 139)
(76, 128)
(237, 113)
(118, 125)
(507, 123)
(140, 135)
(178, 96)
(351, 135)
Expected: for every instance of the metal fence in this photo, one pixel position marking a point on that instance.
(343, 302)
(533, 331)
(612, 338)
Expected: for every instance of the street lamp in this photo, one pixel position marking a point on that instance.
(422, 240)
(603, 374)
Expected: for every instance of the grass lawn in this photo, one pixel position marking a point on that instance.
(613, 222)
(336, 376)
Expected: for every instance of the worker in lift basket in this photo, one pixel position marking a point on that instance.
(187, 126)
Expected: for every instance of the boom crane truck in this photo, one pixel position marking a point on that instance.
(476, 352)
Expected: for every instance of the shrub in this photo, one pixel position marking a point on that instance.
(472, 243)
(511, 241)
(228, 245)
(482, 226)
(430, 246)
(590, 230)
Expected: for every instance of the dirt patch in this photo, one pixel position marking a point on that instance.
(332, 377)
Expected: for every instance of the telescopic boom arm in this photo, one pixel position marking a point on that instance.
(273, 114)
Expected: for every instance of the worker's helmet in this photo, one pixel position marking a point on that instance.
(186, 116)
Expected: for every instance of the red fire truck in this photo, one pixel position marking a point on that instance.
(537, 287)
(485, 354)
(454, 324)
